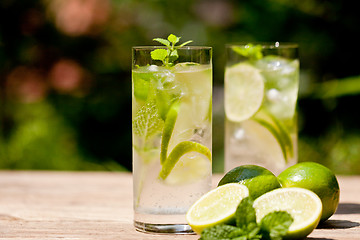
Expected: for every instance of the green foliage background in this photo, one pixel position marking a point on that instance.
(86, 125)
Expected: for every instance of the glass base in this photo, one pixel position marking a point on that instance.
(163, 228)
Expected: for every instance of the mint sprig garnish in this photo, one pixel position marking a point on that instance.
(250, 51)
(170, 55)
(273, 226)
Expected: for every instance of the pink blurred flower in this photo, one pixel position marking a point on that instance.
(26, 84)
(67, 76)
(77, 17)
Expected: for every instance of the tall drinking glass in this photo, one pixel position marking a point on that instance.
(261, 90)
(171, 123)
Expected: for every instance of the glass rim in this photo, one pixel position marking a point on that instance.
(164, 47)
(267, 45)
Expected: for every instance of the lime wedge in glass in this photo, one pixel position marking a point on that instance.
(216, 207)
(168, 130)
(278, 130)
(191, 167)
(178, 151)
(303, 205)
(244, 91)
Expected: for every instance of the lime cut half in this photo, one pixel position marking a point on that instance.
(216, 207)
(244, 91)
(303, 205)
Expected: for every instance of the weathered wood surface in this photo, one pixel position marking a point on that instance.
(98, 205)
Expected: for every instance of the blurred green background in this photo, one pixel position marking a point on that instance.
(65, 82)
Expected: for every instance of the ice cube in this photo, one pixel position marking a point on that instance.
(153, 68)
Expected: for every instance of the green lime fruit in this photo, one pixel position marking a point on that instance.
(317, 178)
(303, 205)
(257, 179)
(244, 91)
(218, 206)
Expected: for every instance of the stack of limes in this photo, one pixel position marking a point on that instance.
(309, 192)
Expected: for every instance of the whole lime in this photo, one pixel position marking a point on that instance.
(317, 178)
(257, 179)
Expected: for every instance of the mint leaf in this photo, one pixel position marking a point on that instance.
(171, 52)
(173, 39)
(250, 51)
(159, 54)
(219, 232)
(185, 43)
(275, 225)
(173, 56)
(245, 215)
(147, 121)
(162, 41)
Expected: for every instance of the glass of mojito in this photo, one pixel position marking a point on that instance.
(171, 125)
(261, 90)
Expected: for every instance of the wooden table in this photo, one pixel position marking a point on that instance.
(98, 205)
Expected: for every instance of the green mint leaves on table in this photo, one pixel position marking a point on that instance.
(272, 227)
(251, 51)
(168, 56)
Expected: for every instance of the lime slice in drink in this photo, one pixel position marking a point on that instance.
(168, 130)
(244, 91)
(303, 205)
(191, 167)
(216, 207)
(178, 151)
(278, 130)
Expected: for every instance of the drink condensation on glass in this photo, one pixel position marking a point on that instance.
(261, 89)
(171, 121)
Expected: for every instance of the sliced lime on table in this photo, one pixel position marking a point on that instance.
(216, 207)
(303, 205)
(244, 91)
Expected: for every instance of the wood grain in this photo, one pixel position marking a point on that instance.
(98, 205)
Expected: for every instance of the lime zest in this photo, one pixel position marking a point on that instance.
(178, 151)
(168, 130)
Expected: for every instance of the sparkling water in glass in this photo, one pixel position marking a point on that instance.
(261, 90)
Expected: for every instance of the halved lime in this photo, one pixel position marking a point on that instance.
(216, 207)
(257, 179)
(317, 178)
(244, 91)
(303, 205)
